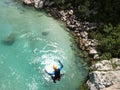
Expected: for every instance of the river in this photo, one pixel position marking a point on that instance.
(31, 41)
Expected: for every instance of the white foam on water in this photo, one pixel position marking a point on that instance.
(2, 57)
(36, 60)
(33, 85)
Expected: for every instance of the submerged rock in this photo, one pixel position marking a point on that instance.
(9, 40)
(45, 33)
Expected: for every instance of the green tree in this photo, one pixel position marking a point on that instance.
(110, 42)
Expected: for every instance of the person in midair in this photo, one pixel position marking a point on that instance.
(56, 75)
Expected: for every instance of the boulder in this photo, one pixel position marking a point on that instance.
(70, 12)
(105, 76)
(84, 34)
(92, 50)
(96, 57)
(38, 3)
(28, 2)
(98, 80)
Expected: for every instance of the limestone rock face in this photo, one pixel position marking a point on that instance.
(36, 3)
(113, 87)
(106, 75)
(103, 65)
(28, 2)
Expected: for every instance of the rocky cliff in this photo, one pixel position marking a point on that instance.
(105, 75)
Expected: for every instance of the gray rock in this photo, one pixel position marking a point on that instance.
(113, 87)
(64, 18)
(103, 65)
(84, 34)
(116, 61)
(38, 3)
(96, 57)
(70, 12)
(28, 2)
(92, 50)
(105, 76)
(99, 80)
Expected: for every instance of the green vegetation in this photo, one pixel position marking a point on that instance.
(99, 11)
(109, 41)
(94, 10)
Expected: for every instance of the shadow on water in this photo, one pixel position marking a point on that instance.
(7, 2)
(45, 33)
(9, 40)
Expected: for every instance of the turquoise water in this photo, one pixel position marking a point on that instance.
(30, 41)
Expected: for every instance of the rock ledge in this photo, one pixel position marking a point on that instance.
(106, 75)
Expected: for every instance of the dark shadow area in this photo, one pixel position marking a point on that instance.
(45, 33)
(9, 40)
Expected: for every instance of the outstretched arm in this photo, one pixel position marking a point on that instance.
(61, 65)
(52, 73)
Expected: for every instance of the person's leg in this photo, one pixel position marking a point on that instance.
(53, 78)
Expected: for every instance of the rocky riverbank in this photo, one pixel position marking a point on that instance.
(105, 74)
(73, 23)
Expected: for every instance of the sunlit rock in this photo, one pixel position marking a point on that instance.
(71, 12)
(38, 3)
(92, 50)
(98, 80)
(103, 65)
(28, 2)
(96, 57)
(106, 75)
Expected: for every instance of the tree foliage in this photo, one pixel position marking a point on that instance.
(98, 10)
(110, 42)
